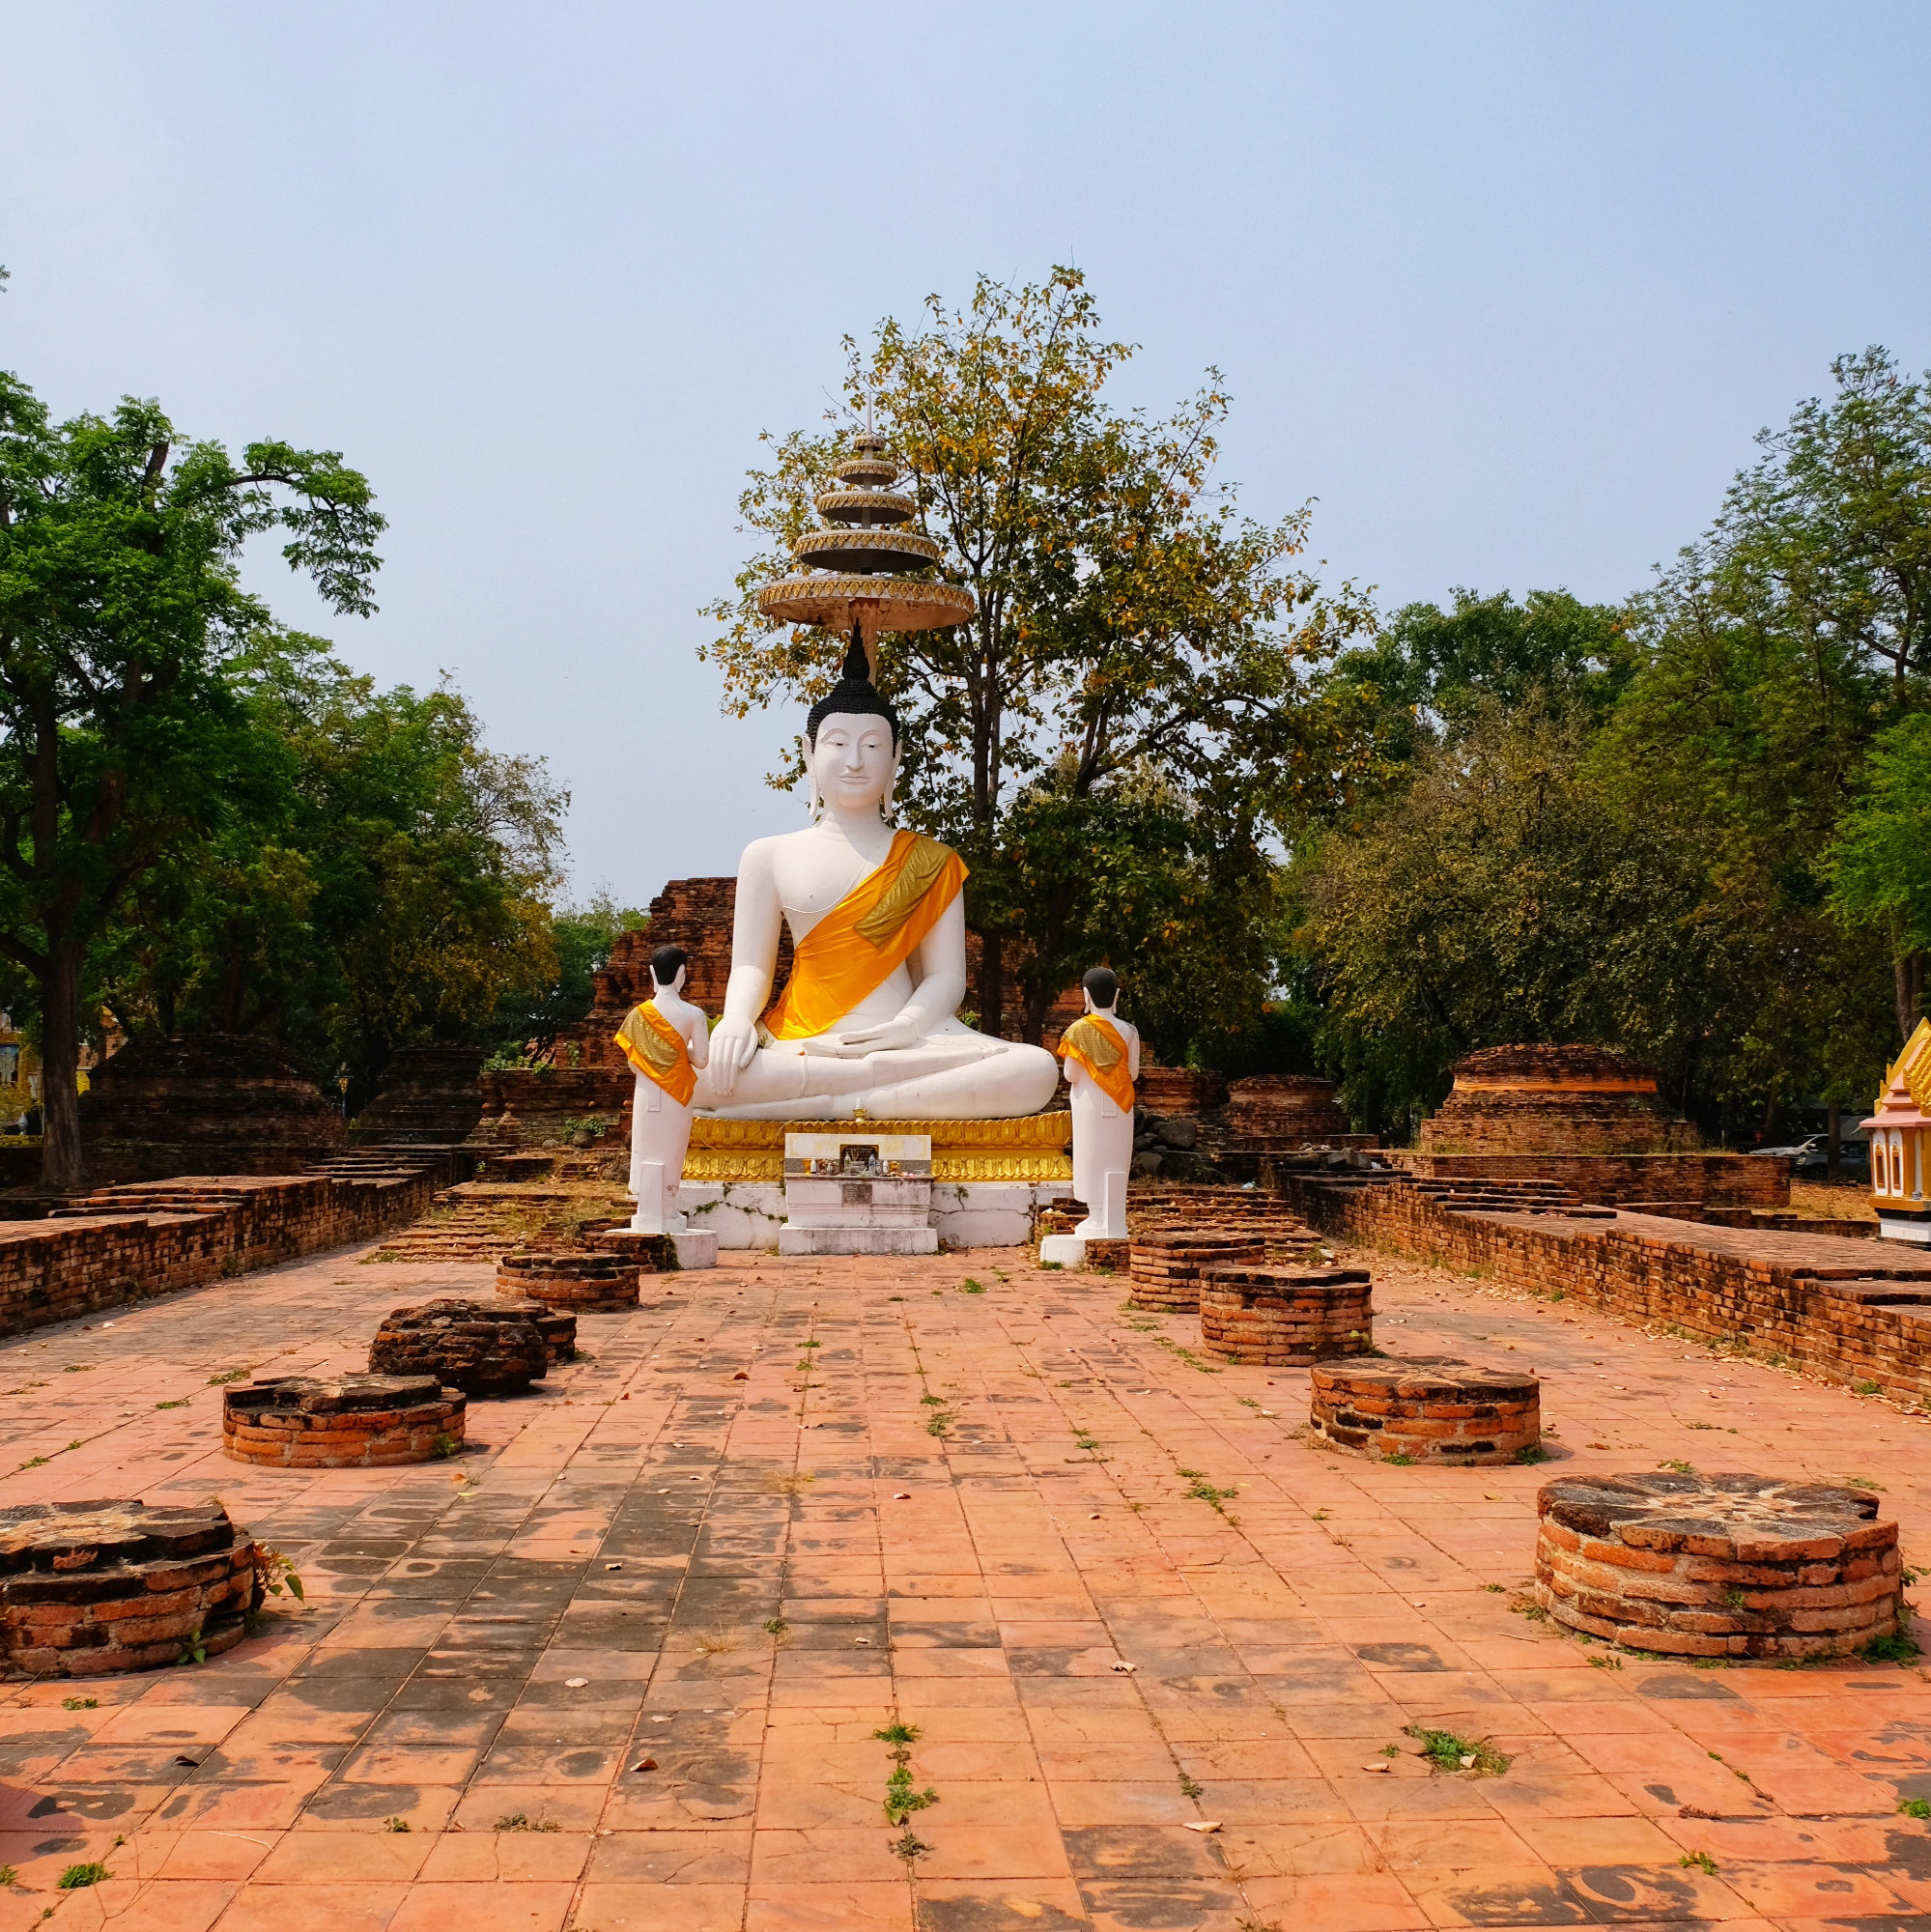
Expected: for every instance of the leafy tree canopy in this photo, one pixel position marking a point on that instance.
(1135, 637)
(124, 630)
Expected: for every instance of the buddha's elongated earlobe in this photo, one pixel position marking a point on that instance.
(891, 786)
(815, 804)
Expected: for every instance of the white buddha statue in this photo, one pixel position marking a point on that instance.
(868, 1022)
(666, 1040)
(1102, 1056)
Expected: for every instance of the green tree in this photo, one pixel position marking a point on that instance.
(384, 883)
(1131, 627)
(583, 938)
(1879, 864)
(1430, 673)
(1507, 894)
(1772, 654)
(123, 623)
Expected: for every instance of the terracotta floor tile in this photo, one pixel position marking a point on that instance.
(342, 1908)
(1346, 1902)
(484, 1857)
(831, 1905)
(861, 1853)
(1198, 1904)
(661, 1908)
(1274, 1661)
(435, 1906)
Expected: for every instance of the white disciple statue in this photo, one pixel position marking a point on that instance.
(868, 1022)
(667, 1041)
(1102, 1056)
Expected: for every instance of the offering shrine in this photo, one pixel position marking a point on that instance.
(1899, 1131)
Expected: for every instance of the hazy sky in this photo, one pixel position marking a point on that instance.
(1508, 288)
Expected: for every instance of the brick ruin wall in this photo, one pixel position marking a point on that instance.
(1821, 1326)
(1622, 1179)
(63, 1269)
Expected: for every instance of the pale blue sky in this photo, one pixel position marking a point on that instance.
(1509, 288)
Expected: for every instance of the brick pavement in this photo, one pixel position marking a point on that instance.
(973, 1515)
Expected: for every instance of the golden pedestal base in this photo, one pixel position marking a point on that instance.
(1036, 1146)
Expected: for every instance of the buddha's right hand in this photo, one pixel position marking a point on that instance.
(733, 1045)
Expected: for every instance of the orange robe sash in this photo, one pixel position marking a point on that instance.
(867, 936)
(1094, 1042)
(656, 1049)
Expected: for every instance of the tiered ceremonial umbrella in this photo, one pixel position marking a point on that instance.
(847, 581)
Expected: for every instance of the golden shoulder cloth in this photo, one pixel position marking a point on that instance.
(867, 936)
(656, 1049)
(1094, 1042)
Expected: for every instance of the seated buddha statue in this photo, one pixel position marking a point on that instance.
(868, 1022)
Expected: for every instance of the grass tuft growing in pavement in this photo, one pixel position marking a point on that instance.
(77, 1878)
(1447, 1751)
(520, 1821)
(902, 1797)
(1198, 1487)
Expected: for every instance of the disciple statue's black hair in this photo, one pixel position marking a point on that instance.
(664, 963)
(1103, 983)
(853, 694)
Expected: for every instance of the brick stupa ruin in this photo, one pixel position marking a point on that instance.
(1555, 1099)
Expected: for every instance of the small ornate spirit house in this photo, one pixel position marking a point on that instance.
(1900, 1134)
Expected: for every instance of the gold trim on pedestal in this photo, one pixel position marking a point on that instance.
(1034, 1148)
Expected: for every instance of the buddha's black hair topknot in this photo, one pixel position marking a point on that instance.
(853, 694)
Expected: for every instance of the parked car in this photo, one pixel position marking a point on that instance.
(1813, 1155)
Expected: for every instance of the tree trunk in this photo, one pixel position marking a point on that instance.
(1908, 975)
(991, 985)
(61, 1166)
(1038, 998)
(1833, 1130)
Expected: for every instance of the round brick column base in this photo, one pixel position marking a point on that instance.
(1429, 1409)
(1718, 1566)
(342, 1422)
(1285, 1317)
(556, 1326)
(91, 1588)
(1164, 1264)
(581, 1281)
(650, 1253)
(480, 1347)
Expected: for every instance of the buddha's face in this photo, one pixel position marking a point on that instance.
(852, 761)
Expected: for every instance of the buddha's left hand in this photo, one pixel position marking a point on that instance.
(904, 1031)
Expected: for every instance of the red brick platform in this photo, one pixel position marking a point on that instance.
(582, 1283)
(556, 1326)
(684, 1549)
(342, 1422)
(1285, 1317)
(1429, 1409)
(1165, 1263)
(480, 1347)
(92, 1588)
(1718, 1566)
